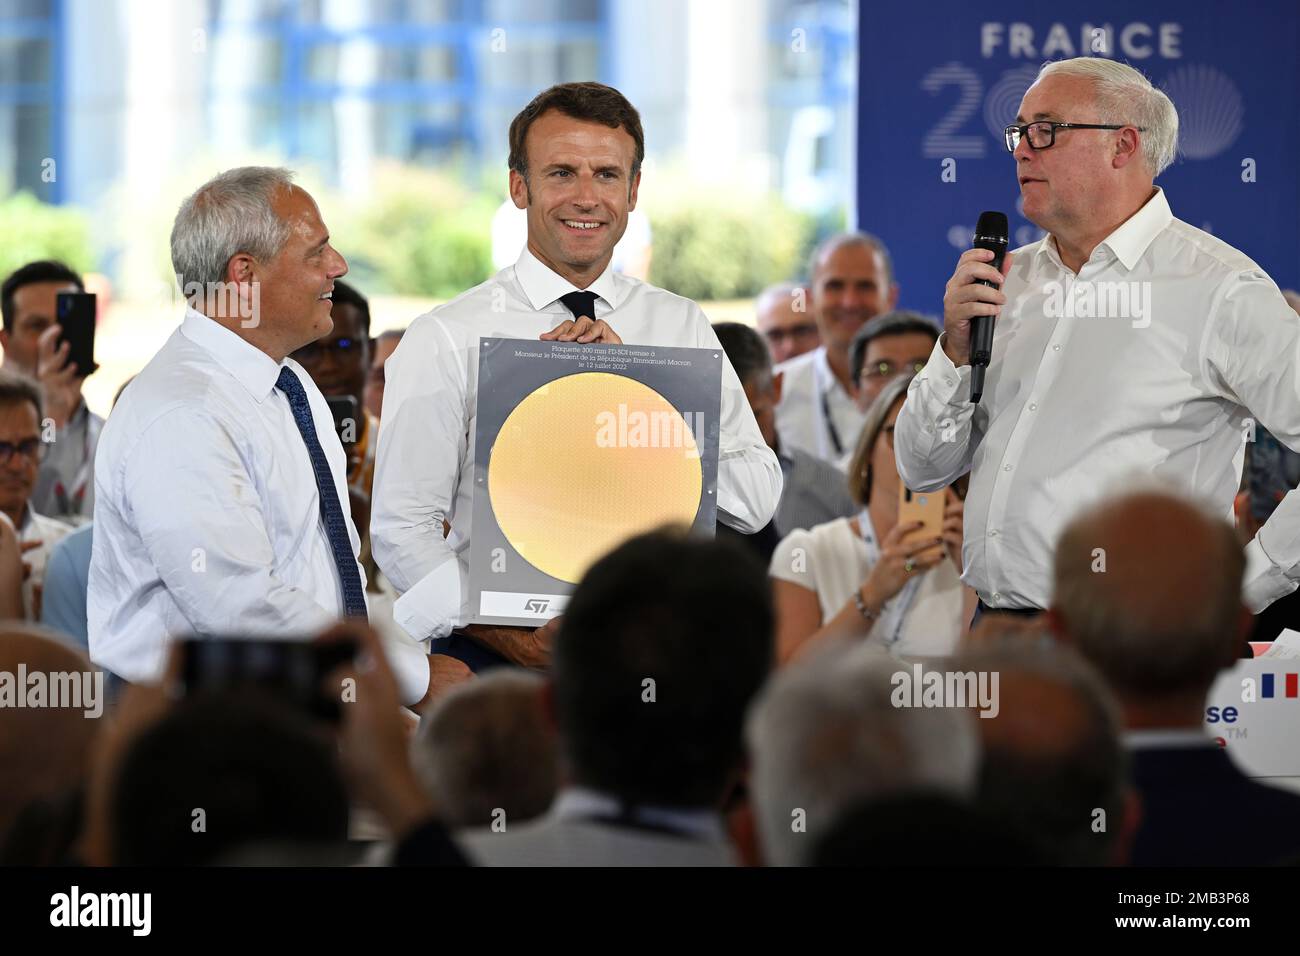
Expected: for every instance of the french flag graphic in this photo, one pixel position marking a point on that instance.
(1291, 682)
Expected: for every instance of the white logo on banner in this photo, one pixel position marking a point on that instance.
(1210, 110)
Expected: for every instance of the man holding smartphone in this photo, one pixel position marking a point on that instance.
(33, 345)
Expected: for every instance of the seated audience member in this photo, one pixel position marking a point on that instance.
(850, 281)
(45, 751)
(224, 773)
(21, 448)
(858, 577)
(385, 345)
(65, 486)
(67, 575)
(893, 344)
(660, 650)
(825, 735)
(487, 751)
(813, 491)
(1160, 624)
(921, 829)
(1054, 770)
(781, 316)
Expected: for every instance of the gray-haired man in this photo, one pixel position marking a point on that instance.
(220, 483)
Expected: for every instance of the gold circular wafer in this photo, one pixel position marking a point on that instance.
(585, 462)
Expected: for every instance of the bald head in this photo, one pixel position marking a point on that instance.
(783, 319)
(44, 750)
(1148, 586)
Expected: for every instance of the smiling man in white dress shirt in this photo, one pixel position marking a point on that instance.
(221, 490)
(575, 158)
(1127, 343)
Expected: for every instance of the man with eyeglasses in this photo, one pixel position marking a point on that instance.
(1129, 345)
(21, 451)
(893, 344)
(781, 316)
(850, 281)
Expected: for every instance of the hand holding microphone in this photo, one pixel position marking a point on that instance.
(972, 298)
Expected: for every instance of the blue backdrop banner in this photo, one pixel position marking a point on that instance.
(939, 80)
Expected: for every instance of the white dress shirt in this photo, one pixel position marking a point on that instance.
(207, 516)
(425, 469)
(808, 390)
(1075, 409)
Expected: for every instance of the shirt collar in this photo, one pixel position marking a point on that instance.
(1128, 242)
(543, 286)
(582, 803)
(251, 367)
(1135, 234)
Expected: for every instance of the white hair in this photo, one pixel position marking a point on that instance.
(229, 214)
(1125, 96)
(825, 735)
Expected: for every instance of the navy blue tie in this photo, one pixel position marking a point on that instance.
(331, 512)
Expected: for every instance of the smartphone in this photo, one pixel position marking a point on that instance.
(76, 317)
(346, 411)
(925, 507)
(292, 670)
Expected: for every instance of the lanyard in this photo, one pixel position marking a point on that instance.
(830, 424)
(894, 614)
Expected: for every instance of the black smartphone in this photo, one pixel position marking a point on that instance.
(292, 670)
(76, 317)
(346, 410)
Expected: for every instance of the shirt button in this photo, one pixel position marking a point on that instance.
(1033, 406)
(1006, 467)
(997, 596)
(1056, 348)
(949, 380)
(993, 533)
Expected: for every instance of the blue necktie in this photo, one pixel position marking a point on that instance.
(331, 512)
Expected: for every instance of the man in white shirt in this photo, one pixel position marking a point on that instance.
(21, 449)
(221, 505)
(850, 281)
(575, 157)
(65, 487)
(1127, 343)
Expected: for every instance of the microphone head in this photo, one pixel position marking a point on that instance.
(992, 227)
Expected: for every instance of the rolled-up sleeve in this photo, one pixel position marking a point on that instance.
(1252, 350)
(934, 442)
(423, 438)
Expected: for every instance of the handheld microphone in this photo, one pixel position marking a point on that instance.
(991, 234)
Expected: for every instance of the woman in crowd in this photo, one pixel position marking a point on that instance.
(864, 576)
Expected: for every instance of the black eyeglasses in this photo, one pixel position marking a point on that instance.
(804, 330)
(33, 449)
(887, 369)
(1042, 135)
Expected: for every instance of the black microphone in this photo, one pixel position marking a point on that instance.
(991, 234)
